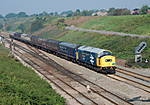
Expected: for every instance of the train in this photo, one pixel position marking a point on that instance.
(100, 60)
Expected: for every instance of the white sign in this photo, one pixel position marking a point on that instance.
(140, 48)
(138, 58)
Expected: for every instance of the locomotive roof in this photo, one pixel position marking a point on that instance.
(15, 33)
(35, 36)
(91, 49)
(71, 45)
(53, 41)
(26, 35)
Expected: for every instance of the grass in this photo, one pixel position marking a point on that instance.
(3, 51)
(20, 85)
(137, 24)
(52, 34)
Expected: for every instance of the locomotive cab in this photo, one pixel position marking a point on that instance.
(106, 62)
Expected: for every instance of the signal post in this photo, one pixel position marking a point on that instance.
(138, 50)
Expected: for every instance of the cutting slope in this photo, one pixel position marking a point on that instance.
(139, 24)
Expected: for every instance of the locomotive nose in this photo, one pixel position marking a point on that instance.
(108, 61)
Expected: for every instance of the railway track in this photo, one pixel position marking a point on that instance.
(96, 89)
(131, 78)
(135, 75)
(113, 98)
(59, 82)
(131, 82)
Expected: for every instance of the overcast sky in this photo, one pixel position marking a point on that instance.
(37, 6)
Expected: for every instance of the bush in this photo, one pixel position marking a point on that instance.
(37, 24)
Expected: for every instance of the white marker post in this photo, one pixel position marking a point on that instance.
(0, 39)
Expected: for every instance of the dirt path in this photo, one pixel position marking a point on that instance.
(106, 32)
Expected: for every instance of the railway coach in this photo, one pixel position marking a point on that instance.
(68, 50)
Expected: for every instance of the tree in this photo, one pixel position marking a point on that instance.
(144, 9)
(9, 28)
(1, 16)
(78, 10)
(86, 13)
(11, 15)
(37, 24)
(22, 14)
(44, 14)
(55, 13)
(51, 14)
(102, 10)
(77, 13)
(111, 11)
(34, 15)
(22, 28)
(125, 12)
(67, 13)
(118, 12)
(1, 26)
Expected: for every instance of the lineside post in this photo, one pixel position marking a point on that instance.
(2, 40)
(11, 48)
(138, 51)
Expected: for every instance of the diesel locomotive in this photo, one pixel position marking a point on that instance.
(100, 60)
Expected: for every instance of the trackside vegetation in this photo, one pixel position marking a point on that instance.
(20, 85)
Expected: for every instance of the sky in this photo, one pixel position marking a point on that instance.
(38, 6)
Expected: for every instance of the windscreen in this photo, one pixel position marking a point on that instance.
(104, 53)
(107, 53)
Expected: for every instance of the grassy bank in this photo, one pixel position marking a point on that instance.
(20, 85)
(122, 47)
(135, 24)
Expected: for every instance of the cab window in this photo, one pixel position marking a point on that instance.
(107, 53)
(104, 53)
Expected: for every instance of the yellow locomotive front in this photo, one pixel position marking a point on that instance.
(106, 62)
